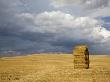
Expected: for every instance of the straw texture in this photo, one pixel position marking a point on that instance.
(81, 57)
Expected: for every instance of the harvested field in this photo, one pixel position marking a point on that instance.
(53, 68)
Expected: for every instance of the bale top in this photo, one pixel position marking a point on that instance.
(80, 49)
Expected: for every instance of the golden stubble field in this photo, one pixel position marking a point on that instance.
(53, 68)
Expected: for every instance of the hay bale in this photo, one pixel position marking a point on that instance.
(81, 57)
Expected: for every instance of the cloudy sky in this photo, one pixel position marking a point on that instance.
(35, 26)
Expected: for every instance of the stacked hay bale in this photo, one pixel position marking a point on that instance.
(81, 57)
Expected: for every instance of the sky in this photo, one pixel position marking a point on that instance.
(40, 26)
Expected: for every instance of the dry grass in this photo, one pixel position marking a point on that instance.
(53, 68)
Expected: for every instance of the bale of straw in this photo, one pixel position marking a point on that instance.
(81, 57)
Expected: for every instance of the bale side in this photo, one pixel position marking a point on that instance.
(81, 57)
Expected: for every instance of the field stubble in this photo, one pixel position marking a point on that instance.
(53, 68)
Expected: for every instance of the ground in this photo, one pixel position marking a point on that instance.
(53, 68)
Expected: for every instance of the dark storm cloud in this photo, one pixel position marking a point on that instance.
(14, 38)
(23, 30)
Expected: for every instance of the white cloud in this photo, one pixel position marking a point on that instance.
(66, 25)
(102, 12)
(92, 8)
(54, 30)
(61, 3)
(91, 4)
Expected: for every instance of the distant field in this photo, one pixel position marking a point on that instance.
(53, 68)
